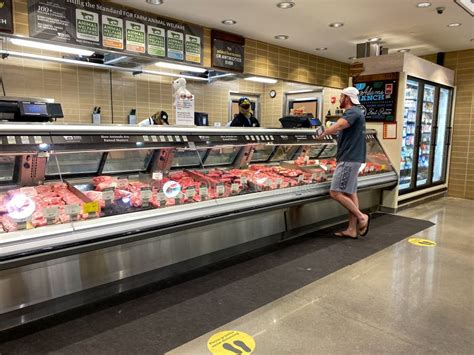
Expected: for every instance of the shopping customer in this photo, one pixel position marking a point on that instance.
(245, 118)
(350, 156)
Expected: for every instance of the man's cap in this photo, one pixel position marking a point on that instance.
(243, 101)
(353, 94)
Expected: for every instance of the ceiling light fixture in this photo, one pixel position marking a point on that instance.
(229, 22)
(374, 39)
(281, 37)
(423, 4)
(336, 24)
(322, 49)
(404, 50)
(260, 79)
(286, 5)
(155, 2)
(455, 24)
(175, 66)
(51, 47)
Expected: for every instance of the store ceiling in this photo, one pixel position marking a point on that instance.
(399, 23)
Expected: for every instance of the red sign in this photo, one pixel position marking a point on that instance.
(388, 89)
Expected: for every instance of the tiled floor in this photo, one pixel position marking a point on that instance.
(404, 299)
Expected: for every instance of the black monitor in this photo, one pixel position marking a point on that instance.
(55, 110)
(201, 119)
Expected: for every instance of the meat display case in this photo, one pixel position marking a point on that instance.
(91, 211)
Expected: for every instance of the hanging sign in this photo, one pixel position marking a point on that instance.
(6, 16)
(378, 96)
(100, 24)
(228, 51)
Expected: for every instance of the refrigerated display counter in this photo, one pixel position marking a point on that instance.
(91, 211)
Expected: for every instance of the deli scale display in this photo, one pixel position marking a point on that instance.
(91, 211)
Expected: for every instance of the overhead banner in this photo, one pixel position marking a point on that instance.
(228, 51)
(100, 24)
(378, 96)
(6, 16)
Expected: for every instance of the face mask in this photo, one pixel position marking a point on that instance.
(246, 112)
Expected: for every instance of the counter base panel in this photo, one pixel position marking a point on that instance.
(39, 290)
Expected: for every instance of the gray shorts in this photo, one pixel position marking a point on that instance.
(345, 177)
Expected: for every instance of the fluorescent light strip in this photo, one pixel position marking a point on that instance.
(115, 60)
(50, 47)
(260, 79)
(93, 65)
(175, 66)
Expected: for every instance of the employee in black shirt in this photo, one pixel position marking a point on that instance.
(245, 118)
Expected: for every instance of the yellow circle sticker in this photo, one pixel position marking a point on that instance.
(231, 342)
(422, 242)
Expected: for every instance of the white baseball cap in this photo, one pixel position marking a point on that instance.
(353, 93)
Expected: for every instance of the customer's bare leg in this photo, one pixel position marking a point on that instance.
(349, 204)
(351, 230)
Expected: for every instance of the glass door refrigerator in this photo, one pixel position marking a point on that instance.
(426, 132)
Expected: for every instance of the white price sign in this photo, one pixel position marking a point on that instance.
(157, 176)
(204, 191)
(306, 158)
(51, 212)
(108, 195)
(190, 193)
(300, 178)
(146, 193)
(279, 182)
(72, 210)
(122, 184)
(314, 177)
(234, 188)
(220, 189)
(243, 180)
(268, 182)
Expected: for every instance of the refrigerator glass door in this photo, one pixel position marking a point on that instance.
(439, 167)
(426, 126)
(409, 129)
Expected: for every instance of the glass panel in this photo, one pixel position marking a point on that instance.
(439, 158)
(315, 150)
(134, 160)
(376, 162)
(409, 127)
(329, 152)
(7, 165)
(262, 153)
(73, 163)
(221, 156)
(187, 158)
(425, 135)
(284, 152)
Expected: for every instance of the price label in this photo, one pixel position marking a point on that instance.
(243, 180)
(234, 188)
(279, 182)
(38, 139)
(192, 145)
(316, 161)
(91, 207)
(300, 178)
(108, 194)
(146, 193)
(11, 140)
(157, 176)
(383, 167)
(146, 138)
(314, 177)
(203, 191)
(51, 212)
(268, 182)
(122, 184)
(162, 139)
(190, 192)
(72, 210)
(306, 158)
(220, 189)
(161, 196)
(154, 138)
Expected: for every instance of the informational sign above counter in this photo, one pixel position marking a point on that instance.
(378, 95)
(100, 24)
(227, 51)
(6, 16)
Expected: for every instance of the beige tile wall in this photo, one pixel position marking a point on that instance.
(461, 179)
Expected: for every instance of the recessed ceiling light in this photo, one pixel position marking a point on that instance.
(286, 4)
(374, 39)
(322, 49)
(404, 50)
(281, 37)
(423, 4)
(229, 22)
(155, 2)
(455, 24)
(336, 24)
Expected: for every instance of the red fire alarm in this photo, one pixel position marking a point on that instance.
(333, 99)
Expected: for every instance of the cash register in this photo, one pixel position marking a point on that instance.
(29, 110)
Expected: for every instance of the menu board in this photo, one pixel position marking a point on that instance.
(100, 24)
(6, 16)
(227, 51)
(378, 96)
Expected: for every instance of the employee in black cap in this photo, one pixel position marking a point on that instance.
(245, 118)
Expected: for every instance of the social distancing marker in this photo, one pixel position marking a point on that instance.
(231, 342)
(422, 242)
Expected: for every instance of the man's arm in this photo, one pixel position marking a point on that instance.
(340, 125)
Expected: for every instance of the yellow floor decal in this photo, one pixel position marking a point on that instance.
(422, 242)
(231, 342)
